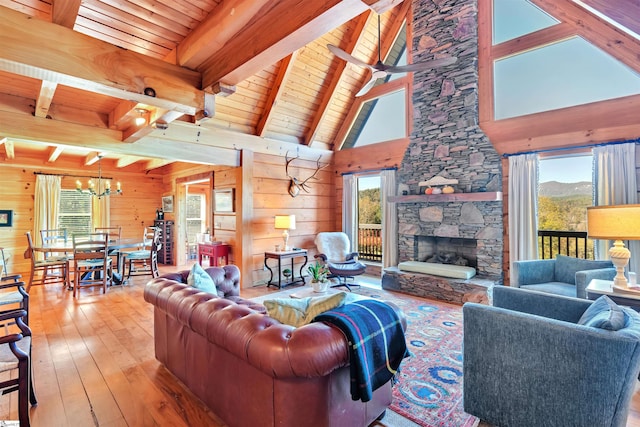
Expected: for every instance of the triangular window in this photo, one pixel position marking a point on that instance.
(515, 18)
(564, 74)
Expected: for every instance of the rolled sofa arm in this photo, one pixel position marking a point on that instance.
(584, 277)
(531, 272)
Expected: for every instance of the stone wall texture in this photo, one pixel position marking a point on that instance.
(446, 139)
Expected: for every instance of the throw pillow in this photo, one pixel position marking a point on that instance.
(566, 267)
(299, 312)
(603, 313)
(200, 279)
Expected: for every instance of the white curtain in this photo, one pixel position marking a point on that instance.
(389, 219)
(100, 210)
(523, 208)
(349, 208)
(614, 179)
(46, 205)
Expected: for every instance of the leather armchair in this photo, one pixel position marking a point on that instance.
(527, 362)
(563, 275)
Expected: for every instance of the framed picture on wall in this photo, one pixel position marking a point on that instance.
(6, 218)
(224, 200)
(167, 203)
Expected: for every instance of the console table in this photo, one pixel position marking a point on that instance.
(598, 287)
(215, 251)
(284, 255)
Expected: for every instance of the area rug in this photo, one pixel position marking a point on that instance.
(429, 387)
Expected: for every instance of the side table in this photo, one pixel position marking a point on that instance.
(214, 251)
(284, 255)
(599, 287)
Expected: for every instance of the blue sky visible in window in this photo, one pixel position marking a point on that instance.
(566, 169)
(572, 72)
(514, 18)
(386, 122)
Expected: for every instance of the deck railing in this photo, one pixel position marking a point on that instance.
(571, 243)
(370, 242)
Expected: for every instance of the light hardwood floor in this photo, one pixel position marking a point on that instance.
(94, 363)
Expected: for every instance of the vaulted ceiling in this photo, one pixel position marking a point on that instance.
(208, 76)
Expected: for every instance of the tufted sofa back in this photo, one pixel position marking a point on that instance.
(226, 278)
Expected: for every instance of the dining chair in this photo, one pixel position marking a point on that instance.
(91, 262)
(52, 270)
(15, 354)
(113, 233)
(13, 295)
(144, 262)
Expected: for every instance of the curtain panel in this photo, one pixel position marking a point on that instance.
(523, 208)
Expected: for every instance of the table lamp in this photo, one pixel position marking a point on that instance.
(617, 223)
(286, 223)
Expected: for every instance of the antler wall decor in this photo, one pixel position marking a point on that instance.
(295, 185)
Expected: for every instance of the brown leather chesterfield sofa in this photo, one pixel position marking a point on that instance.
(250, 369)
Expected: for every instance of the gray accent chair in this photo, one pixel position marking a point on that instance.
(563, 275)
(527, 362)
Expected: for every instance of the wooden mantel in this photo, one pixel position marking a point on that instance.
(487, 196)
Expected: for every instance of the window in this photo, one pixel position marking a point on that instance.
(196, 208)
(565, 190)
(369, 219)
(75, 212)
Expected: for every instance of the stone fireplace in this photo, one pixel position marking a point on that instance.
(447, 141)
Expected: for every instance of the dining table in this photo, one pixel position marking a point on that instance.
(66, 246)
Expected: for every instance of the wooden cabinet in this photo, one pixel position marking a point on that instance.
(165, 254)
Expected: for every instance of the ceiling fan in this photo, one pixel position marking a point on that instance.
(380, 70)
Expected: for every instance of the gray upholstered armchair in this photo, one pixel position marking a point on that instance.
(563, 275)
(529, 362)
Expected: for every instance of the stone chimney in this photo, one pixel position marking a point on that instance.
(446, 139)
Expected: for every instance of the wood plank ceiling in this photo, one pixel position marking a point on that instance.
(253, 68)
(75, 74)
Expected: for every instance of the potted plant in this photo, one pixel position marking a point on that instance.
(319, 280)
(286, 273)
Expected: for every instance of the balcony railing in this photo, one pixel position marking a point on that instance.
(571, 243)
(370, 242)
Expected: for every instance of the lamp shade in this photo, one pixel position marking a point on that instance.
(618, 222)
(286, 222)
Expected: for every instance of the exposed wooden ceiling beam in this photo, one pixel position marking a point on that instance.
(43, 103)
(91, 158)
(381, 6)
(54, 153)
(84, 62)
(65, 12)
(275, 93)
(125, 161)
(223, 23)
(292, 25)
(156, 163)
(8, 148)
(29, 128)
(355, 37)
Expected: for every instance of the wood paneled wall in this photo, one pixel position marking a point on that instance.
(133, 210)
(314, 211)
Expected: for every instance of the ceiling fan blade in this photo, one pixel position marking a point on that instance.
(345, 56)
(421, 66)
(366, 87)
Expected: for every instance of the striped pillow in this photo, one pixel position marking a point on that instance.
(298, 312)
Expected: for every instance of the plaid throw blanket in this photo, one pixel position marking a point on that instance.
(376, 343)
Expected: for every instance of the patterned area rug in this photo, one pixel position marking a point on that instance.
(429, 388)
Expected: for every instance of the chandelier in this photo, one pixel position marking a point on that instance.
(100, 190)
